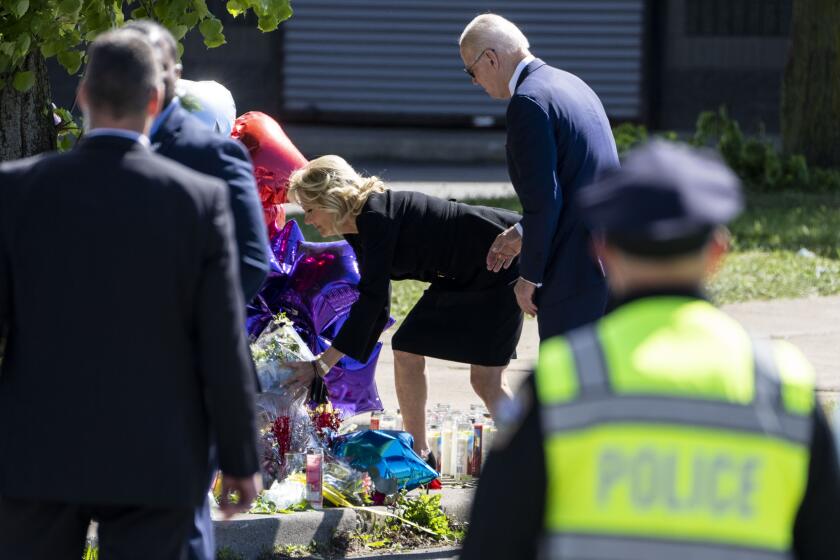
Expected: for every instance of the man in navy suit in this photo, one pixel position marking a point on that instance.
(558, 140)
(126, 355)
(182, 137)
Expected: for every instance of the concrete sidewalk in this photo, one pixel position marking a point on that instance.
(811, 324)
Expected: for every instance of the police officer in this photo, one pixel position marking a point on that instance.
(664, 430)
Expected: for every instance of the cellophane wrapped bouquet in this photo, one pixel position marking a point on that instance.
(296, 421)
(284, 419)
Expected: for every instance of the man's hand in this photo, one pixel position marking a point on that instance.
(246, 488)
(524, 292)
(504, 250)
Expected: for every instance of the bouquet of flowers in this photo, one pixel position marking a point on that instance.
(285, 420)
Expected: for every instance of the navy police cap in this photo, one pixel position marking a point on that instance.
(664, 199)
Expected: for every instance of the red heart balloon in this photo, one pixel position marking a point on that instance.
(275, 159)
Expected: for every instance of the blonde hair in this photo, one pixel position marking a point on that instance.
(331, 184)
(491, 31)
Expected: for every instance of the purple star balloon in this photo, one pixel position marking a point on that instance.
(315, 285)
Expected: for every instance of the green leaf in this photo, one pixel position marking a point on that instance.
(20, 8)
(69, 7)
(139, 13)
(71, 60)
(23, 81)
(49, 48)
(22, 44)
(200, 7)
(190, 20)
(211, 30)
(119, 16)
(237, 7)
(179, 31)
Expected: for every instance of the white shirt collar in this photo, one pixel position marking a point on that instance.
(518, 72)
(120, 132)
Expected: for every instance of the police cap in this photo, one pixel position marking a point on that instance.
(665, 200)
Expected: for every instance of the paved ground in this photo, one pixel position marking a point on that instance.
(811, 324)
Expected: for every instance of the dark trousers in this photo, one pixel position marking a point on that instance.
(202, 541)
(556, 318)
(35, 530)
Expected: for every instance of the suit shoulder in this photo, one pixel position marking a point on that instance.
(195, 135)
(19, 167)
(172, 171)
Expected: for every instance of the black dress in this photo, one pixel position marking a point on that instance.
(467, 314)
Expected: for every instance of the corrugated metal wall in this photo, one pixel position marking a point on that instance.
(400, 57)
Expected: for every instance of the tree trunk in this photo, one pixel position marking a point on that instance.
(811, 89)
(26, 121)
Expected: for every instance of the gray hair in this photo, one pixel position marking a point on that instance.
(491, 31)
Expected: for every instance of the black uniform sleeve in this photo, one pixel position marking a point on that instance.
(816, 533)
(507, 515)
(368, 316)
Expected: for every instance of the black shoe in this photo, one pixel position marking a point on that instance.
(432, 461)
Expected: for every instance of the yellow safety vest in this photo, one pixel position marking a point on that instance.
(670, 434)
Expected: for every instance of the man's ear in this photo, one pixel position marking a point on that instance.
(155, 103)
(717, 249)
(179, 70)
(81, 95)
(494, 58)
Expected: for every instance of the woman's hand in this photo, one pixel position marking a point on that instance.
(303, 373)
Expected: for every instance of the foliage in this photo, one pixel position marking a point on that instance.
(789, 222)
(629, 135)
(62, 28)
(763, 275)
(227, 553)
(68, 129)
(424, 510)
(756, 161)
(281, 552)
(263, 506)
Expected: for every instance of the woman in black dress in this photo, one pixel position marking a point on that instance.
(467, 314)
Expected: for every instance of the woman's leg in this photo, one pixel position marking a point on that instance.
(491, 386)
(412, 390)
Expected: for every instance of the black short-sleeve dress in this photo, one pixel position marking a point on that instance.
(467, 314)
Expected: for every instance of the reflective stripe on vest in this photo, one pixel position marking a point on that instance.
(659, 473)
(587, 547)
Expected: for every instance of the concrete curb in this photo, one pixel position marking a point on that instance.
(400, 144)
(251, 535)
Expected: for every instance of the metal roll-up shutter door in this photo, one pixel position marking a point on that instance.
(400, 57)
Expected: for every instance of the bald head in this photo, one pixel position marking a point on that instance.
(491, 31)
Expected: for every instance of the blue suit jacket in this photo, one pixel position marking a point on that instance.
(558, 140)
(187, 140)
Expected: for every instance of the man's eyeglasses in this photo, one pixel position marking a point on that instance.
(469, 69)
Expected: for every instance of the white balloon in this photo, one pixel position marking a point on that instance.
(210, 101)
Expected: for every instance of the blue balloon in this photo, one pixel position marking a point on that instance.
(388, 456)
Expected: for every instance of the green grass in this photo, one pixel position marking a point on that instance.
(763, 263)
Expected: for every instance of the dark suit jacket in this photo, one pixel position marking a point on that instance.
(409, 235)
(188, 141)
(558, 140)
(118, 286)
